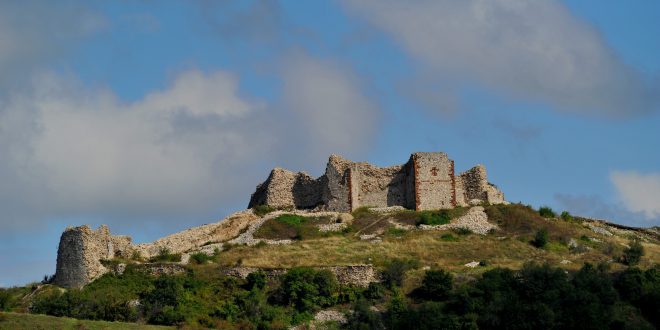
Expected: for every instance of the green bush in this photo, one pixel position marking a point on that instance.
(633, 254)
(374, 291)
(395, 271)
(462, 231)
(363, 317)
(262, 210)
(433, 218)
(307, 289)
(256, 280)
(541, 238)
(436, 285)
(201, 258)
(5, 299)
(164, 255)
(546, 212)
(566, 216)
(448, 237)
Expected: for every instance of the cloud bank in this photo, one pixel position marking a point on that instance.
(196, 145)
(535, 50)
(639, 192)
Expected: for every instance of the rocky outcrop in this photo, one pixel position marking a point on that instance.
(427, 181)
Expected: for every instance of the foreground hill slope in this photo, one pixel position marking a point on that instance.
(251, 277)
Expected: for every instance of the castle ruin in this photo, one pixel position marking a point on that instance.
(426, 182)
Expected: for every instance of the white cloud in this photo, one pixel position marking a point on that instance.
(330, 106)
(188, 149)
(82, 150)
(529, 49)
(639, 192)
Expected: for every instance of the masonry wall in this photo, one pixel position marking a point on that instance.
(434, 181)
(80, 252)
(381, 186)
(426, 182)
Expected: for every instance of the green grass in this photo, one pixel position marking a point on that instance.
(164, 255)
(12, 321)
(262, 210)
(295, 227)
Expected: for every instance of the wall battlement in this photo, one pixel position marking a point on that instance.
(427, 181)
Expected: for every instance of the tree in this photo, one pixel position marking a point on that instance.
(633, 254)
(541, 238)
(436, 285)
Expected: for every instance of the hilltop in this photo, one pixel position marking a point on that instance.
(287, 262)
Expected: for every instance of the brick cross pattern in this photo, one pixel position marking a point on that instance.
(434, 171)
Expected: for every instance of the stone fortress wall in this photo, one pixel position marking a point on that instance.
(426, 182)
(80, 253)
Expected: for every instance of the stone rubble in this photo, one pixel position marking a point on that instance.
(330, 315)
(472, 264)
(476, 220)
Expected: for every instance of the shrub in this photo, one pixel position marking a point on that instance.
(374, 291)
(361, 212)
(164, 255)
(5, 299)
(161, 304)
(307, 289)
(256, 280)
(433, 218)
(448, 237)
(396, 269)
(541, 238)
(546, 212)
(566, 216)
(200, 258)
(462, 231)
(633, 254)
(262, 210)
(436, 285)
(363, 317)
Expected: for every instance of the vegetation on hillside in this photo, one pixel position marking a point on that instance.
(534, 272)
(538, 296)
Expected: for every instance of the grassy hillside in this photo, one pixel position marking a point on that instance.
(13, 321)
(537, 270)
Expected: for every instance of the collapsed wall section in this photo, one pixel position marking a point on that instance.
(288, 189)
(473, 185)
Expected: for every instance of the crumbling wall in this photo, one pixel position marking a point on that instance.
(473, 184)
(338, 190)
(80, 253)
(381, 187)
(288, 189)
(426, 182)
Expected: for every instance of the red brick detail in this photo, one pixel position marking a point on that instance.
(350, 189)
(453, 185)
(416, 178)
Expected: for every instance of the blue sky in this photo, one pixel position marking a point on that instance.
(154, 116)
